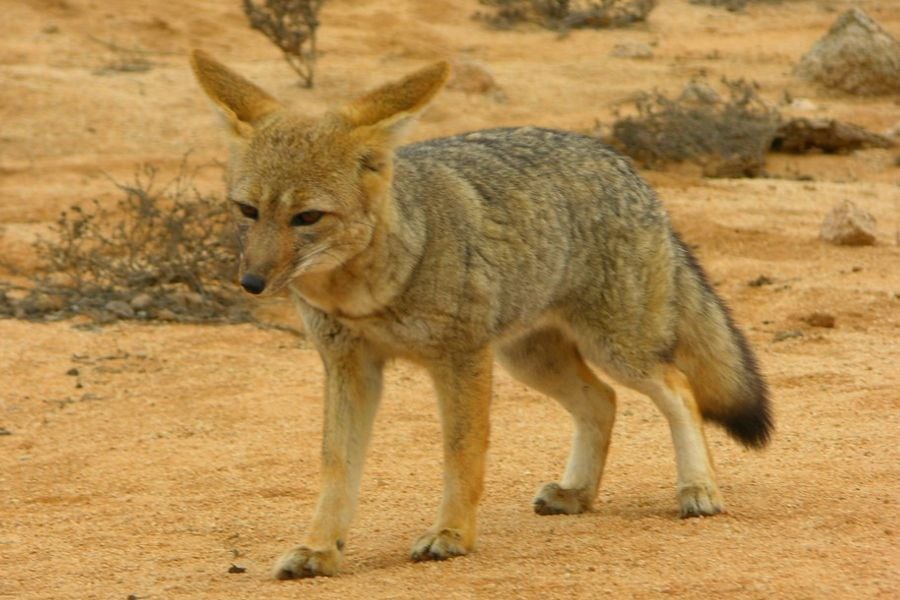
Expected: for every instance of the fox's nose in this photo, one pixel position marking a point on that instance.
(253, 283)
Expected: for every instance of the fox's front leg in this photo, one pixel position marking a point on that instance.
(352, 390)
(463, 387)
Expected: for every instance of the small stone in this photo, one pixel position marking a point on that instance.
(236, 569)
(699, 92)
(120, 309)
(780, 336)
(848, 225)
(141, 301)
(73, 372)
(820, 319)
(803, 104)
(632, 50)
(761, 281)
(472, 77)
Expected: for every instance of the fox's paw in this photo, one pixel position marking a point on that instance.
(439, 545)
(556, 500)
(303, 562)
(700, 500)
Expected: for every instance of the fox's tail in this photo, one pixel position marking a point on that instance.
(714, 355)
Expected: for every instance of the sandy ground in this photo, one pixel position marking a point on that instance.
(145, 460)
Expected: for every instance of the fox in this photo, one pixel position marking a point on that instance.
(538, 249)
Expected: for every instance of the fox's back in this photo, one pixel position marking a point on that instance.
(522, 222)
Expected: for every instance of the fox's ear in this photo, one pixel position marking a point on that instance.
(392, 107)
(240, 102)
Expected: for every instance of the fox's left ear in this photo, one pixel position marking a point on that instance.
(241, 103)
(387, 111)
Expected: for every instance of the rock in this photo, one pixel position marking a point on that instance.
(698, 92)
(632, 50)
(848, 225)
(856, 56)
(761, 281)
(828, 135)
(120, 309)
(780, 336)
(141, 301)
(820, 319)
(472, 77)
(803, 104)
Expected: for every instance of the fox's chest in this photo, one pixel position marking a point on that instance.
(402, 335)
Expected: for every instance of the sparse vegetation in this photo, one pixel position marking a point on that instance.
(729, 137)
(565, 14)
(291, 25)
(164, 252)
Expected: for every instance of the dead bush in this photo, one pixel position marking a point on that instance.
(163, 252)
(291, 25)
(729, 136)
(565, 14)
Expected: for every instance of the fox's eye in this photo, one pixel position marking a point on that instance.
(248, 211)
(307, 217)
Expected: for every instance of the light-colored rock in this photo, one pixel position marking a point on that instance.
(856, 56)
(848, 225)
(699, 92)
(472, 77)
(632, 50)
(120, 309)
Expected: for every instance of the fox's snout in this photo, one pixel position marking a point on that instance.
(253, 283)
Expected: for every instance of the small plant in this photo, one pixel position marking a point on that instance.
(566, 14)
(729, 137)
(164, 252)
(291, 25)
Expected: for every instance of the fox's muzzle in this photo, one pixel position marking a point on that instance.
(253, 283)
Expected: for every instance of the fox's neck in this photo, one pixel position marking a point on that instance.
(368, 283)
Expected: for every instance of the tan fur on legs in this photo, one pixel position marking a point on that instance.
(464, 396)
(698, 494)
(551, 364)
(352, 390)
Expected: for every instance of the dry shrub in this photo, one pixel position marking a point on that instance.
(729, 137)
(566, 14)
(163, 252)
(291, 25)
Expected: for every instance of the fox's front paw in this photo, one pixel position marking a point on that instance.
(439, 545)
(303, 562)
(700, 500)
(556, 500)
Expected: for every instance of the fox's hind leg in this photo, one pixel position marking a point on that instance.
(548, 362)
(669, 389)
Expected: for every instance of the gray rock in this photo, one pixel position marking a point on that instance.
(120, 309)
(856, 56)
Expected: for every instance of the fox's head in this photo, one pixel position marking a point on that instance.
(308, 192)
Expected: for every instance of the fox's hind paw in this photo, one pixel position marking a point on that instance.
(303, 562)
(556, 500)
(700, 500)
(439, 545)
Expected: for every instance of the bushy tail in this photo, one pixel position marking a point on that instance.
(717, 360)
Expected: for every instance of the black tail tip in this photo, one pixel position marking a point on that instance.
(752, 426)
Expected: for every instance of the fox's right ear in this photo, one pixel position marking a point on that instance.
(241, 103)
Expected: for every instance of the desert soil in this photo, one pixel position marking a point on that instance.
(145, 460)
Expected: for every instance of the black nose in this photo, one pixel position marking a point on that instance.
(253, 283)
